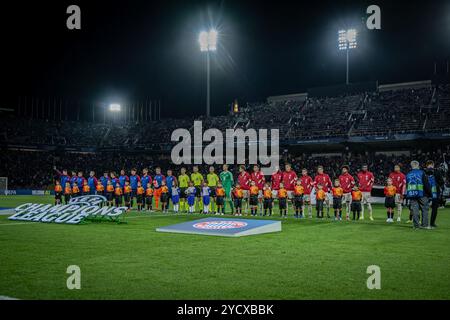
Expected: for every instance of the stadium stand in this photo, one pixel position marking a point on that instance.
(77, 145)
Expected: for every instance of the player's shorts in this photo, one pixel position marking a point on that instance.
(298, 200)
(149, 200)
(398, 199)
(319, 205)
(254, 200)
(109, 196)
(206, 200)
(165, 197)
(198, 191)
(389, 202)
(356, 206)
(267, 203)
(347, 197)
(213, 192)
(183, 193)
(307, 198)
(366, 197)
(260, 194)
(219, 201)
(227, 190)
(246, 193)
(58, 195)
(328, 199)
(290, 194)
(238, 203)
(66, 198)
(175, 199)
(127, 197)
(337, 203)
(118, 200)
(282, 203)
(275, 194)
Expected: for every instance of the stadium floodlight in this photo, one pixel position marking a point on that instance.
(208, 42)
(114, 107)
(347, 41)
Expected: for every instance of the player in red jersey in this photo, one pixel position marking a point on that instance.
(258, 177)
(366, 180)
(308, 185)
(244, 180)
(399, 182)
(347, 183)
(324, 180)
(276, 179)
(289, 179)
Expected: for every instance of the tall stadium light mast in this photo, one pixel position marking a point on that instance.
(347, 41)
(208, 43)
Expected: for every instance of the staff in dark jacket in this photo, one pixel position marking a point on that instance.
(418, 190)
(436, 183)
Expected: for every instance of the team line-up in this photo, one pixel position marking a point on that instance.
(191, 193)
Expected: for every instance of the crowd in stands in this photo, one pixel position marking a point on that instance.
(376, 113)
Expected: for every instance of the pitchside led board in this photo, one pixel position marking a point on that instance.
(224, 227)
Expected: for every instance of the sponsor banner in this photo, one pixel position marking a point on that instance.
(76, 211)
(224, 227)
(26, 192)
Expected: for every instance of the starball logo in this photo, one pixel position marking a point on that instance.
(251, 143)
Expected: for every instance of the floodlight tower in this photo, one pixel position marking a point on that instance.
(347, 41)
(208, 43)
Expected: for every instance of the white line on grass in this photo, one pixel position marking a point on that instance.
(7, 298)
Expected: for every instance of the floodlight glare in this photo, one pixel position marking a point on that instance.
(212, 40)
(208, 42)
(114, 107)
(203, 40)
(347, 41)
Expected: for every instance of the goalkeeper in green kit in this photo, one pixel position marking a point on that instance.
(227, 182)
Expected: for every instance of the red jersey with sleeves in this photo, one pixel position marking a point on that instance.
(307, 184)
(398, 181)
(244, 179)
(289, 180)
(324, 180)
(365, 180)
(277, 177)
(259, 179)
(347, 182)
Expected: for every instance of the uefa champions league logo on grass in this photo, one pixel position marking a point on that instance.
(257, 144)
(77, 210)
(90, 200)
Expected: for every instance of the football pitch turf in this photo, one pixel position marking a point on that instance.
(309, 259)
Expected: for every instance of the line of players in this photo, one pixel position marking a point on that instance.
(192, 193)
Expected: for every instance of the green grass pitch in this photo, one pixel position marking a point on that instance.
(309, 259)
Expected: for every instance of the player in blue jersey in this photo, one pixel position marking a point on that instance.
(63, 178)
(157, 183)
(104, 181)
(80, 179)
(92, 182)
(123, 178)
(73, 179)
(114, 179)
(134, 179)
(170, 181)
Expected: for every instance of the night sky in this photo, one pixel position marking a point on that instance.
(128, 50)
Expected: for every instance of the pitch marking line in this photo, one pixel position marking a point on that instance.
(7, 298)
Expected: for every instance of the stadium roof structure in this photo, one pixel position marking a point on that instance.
(405, 85)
